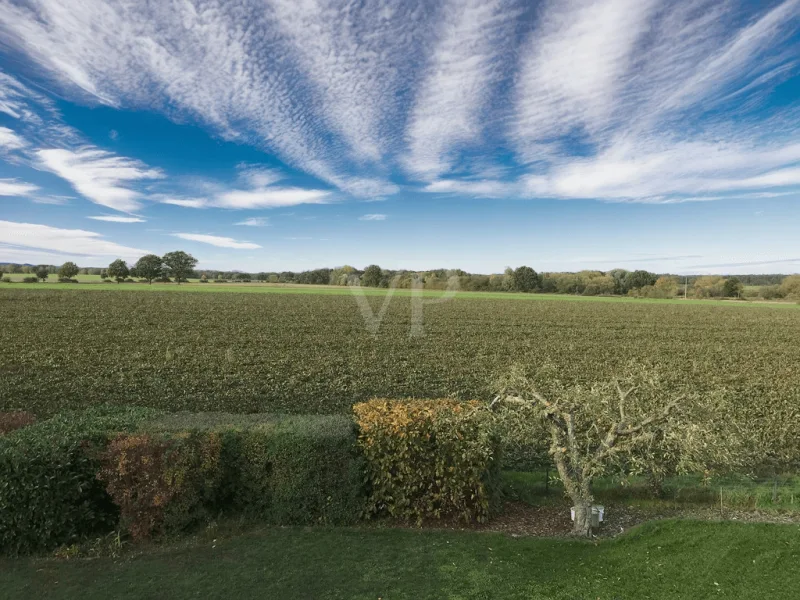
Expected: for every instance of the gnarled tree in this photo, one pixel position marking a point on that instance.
(592, 428)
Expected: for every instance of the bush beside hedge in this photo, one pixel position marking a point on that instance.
(161, 482)
(429, 458)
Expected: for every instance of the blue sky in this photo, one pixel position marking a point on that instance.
(285, 135)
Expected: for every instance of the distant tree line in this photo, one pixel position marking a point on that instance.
(179, 267)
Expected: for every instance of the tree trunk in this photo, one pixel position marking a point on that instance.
(582, 526)
(579, 491)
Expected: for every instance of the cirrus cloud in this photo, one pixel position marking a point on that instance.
(14, 187)
(254, 222)
(33, 237)
(101, 176)
(215, 240)
(115, 219)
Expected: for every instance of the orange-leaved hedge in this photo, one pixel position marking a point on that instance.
(159, 482)
(429, 458)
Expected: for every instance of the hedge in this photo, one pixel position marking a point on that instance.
(83, 474)
(49, 492)
(298, 469)
(161, 482)
(429, 458)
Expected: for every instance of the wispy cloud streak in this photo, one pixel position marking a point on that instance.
(465, 65)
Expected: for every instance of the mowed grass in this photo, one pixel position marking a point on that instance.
(723, 493)
(660, 561)
(279, 288)
(313, 352)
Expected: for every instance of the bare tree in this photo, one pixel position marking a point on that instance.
(592, 428)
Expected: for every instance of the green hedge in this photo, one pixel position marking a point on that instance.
(49, 492)
(283, 469)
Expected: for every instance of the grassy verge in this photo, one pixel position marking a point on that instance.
(664, 560)
(271, 288)
(731, 492)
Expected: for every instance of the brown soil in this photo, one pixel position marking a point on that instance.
(520, 519)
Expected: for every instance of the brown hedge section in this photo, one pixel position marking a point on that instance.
(160, 482)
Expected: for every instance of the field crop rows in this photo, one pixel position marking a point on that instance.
(312, 353)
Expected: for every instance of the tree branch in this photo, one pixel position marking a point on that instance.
(607, 447)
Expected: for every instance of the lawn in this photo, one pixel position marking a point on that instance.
(778, 495)
(660, 560)
(277, 288)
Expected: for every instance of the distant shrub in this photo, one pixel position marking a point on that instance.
(771, 292)
(67, 280)
(49, 492)
(429, 458)
(203, 281)
(160, 482)
(30, 280)
(11, 421)
(220, 281)
(6, 279)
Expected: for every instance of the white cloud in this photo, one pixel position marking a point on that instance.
(465, 65)
(270, 198)
(269, 87)
(51, 199)
(16, 99)
(372, 217)
(254, 222)
(620, 100)
(102, 177)
(14, 187)
(9, 140)
(484, 188)
(574, 65)
(672, 170)
(184, 202)
(33, 237)
(260, 192)
(114, 219)
(623, 100)
(214, 240)
(354, 55)
(736, 57)
(259, 177)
